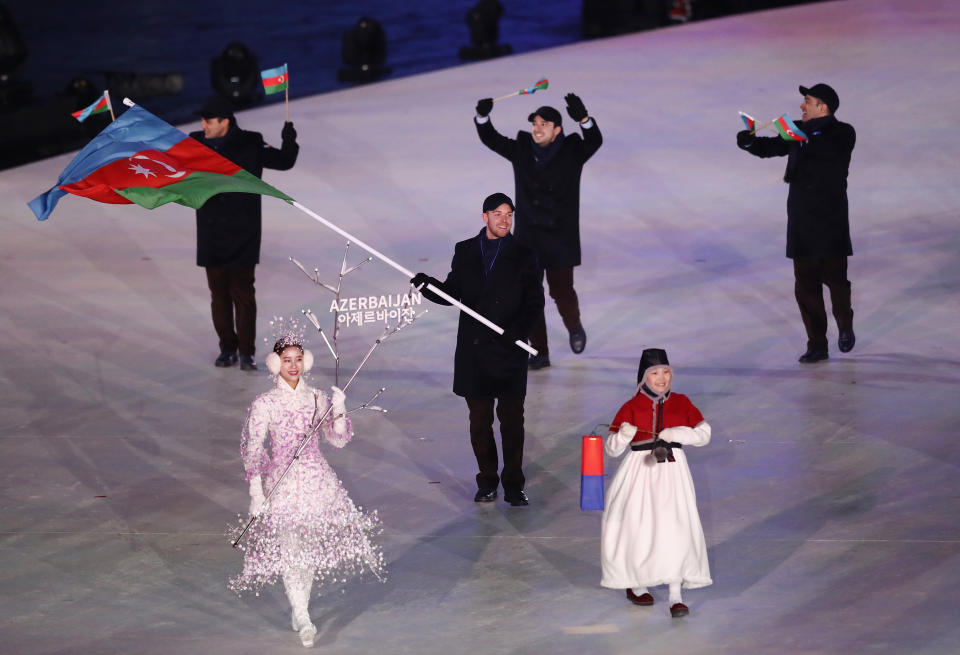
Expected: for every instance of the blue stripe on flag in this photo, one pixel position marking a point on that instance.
(273, 72)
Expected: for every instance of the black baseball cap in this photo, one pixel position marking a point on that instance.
(548, 114)
(494, 200)
(823, 92)
(215, 107)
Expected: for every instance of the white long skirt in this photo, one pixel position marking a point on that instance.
(651, 532)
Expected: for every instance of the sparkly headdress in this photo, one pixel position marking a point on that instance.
(286, 333)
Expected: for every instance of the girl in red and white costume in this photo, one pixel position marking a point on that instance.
(651, 532)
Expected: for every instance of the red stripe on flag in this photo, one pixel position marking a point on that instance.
(150, 168)
(201, 158)
(274, 81)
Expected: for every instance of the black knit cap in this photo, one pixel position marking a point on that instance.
(215, 107)
(548, 114)
(650, 358)
(494, 200)
(823, 92)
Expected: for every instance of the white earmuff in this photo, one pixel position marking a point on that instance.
(273, 363)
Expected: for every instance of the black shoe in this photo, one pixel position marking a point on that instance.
(247, 363)
(813, 355)
(578, 340)
(846, 341)
(485, 496)
(226, 358)
(536, 362)
(516, 498)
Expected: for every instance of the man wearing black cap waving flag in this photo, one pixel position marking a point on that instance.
(546, 169)
(228, 228)
(818, 226)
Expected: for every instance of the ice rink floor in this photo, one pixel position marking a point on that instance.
(828, 494)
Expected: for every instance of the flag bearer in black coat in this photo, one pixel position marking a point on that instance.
(546, 170)
(818, 227)
(498, 277)
(228, 228)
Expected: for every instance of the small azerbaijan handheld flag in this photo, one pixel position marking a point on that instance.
(140, 159)
(537, 86)
(788, 131)
(99, 106)
(275, 80)
(749, 121)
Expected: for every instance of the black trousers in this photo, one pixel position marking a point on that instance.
(510, 413)
(233, 305)
(810, 275)
(560, 284)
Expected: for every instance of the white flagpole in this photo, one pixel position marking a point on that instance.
(386, 260)
(106, 94)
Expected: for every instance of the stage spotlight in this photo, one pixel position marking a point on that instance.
(610, 17)
(14, 92)
(364, 52)
(483, 19)
(235, 74)
(13, 52)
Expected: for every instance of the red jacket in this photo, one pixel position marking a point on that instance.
(641, 412)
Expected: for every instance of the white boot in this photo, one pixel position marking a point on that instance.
(297, 584)
(307, 635)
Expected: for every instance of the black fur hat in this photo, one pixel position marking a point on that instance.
(651, 357)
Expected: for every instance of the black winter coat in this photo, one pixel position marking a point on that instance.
(547, 217)
(228, 224)
(512, 297)
(818, 224)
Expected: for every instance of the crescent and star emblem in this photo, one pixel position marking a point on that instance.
(146, 172)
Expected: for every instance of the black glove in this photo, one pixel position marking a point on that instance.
(484, 107)
(745, 138)
(575, 108)
(288, 133)
(419, 280)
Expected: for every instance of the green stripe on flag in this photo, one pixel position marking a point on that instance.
(198, 187)
(276, 88)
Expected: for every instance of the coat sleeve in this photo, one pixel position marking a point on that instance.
(431, 296)
(767, 146)
(253, 441)
(503, 146)
(696, 432)
(695, 436)
(592, 140)
(281, 159)
(617, 441)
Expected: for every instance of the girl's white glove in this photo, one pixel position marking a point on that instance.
(339, 409)
(627, 430)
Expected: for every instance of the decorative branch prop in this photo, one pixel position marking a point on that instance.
(315, 278)
(388, 332)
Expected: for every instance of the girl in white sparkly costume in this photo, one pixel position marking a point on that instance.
(310, 529)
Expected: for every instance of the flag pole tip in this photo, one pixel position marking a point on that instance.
(129, 103)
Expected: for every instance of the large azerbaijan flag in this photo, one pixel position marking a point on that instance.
(140, 159)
